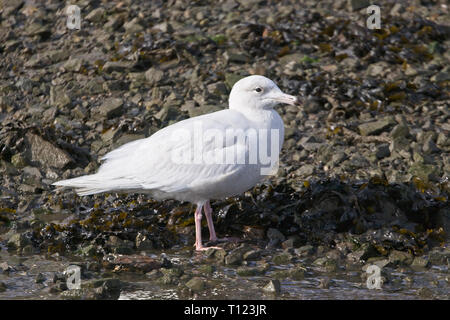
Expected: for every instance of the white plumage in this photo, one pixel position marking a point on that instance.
(176, 162)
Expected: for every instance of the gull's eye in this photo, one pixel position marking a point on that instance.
(258, 89)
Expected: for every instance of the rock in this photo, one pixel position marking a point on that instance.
(252, 255)
(196, 284)
(17, 241)
(18, 161)
(112, 107)
(45, 153)
(130, 263)
(231, 79)
(143, 243)
(40, 278)
(426, 172)
(304, 250)
(400, 258)
(2, 287)
(273, 286)
(120, 246)
(375, 127)
(246, 271)
(283, 258)
(118, 66)
(419, 263)
(275, 235)
(154, 76)
(96, 15)
(73, 64)
(358, 4)
(235, 257)
(383, 151)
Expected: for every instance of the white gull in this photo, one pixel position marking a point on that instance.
(188, 161)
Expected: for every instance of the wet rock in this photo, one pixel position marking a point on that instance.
(131, 263)
(196, 284)
(236, 256)
(420, 263)
(171, 275)
(400, 258)
(3, 287)
(275, 236)
(40, 278)
(283, 258)
(252, 255)
(246, 271)
(273, 287)
(143, 243)
(304, 250)
(120, 246)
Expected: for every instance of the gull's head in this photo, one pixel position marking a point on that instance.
(258, 92)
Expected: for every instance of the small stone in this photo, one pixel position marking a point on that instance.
(18, 161)
(96, 15)
(358, 4)
(273, 286)
(118, 66)
(400, 258)
(383, 151)
(283, 258)
(419, 263)
(154, 76)
(40, 278)
(73, 64)
(196, 284)
(46, 153)
(375, 127)
(111, 108)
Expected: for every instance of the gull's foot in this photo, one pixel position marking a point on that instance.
(202, 248)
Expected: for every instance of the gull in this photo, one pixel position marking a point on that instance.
(212, 156)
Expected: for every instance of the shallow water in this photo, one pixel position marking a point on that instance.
(223, 283)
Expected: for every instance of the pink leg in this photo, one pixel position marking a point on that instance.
(198, 227)
(208, 211)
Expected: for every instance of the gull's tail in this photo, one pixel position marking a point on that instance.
(90, 184)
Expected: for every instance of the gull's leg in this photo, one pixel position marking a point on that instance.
(208, 211)
(198, 227)
(212, 232)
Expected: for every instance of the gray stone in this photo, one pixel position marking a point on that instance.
(45, 153)
(112, 107)
(383, 151)
(273, 286)
(375, 127)
(400, 258)
(196, 284)
(118, 66)
(154, 76)
(96, 15)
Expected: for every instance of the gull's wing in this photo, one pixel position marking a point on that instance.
(149, 163)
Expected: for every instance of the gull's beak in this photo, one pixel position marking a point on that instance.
(286, 98)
